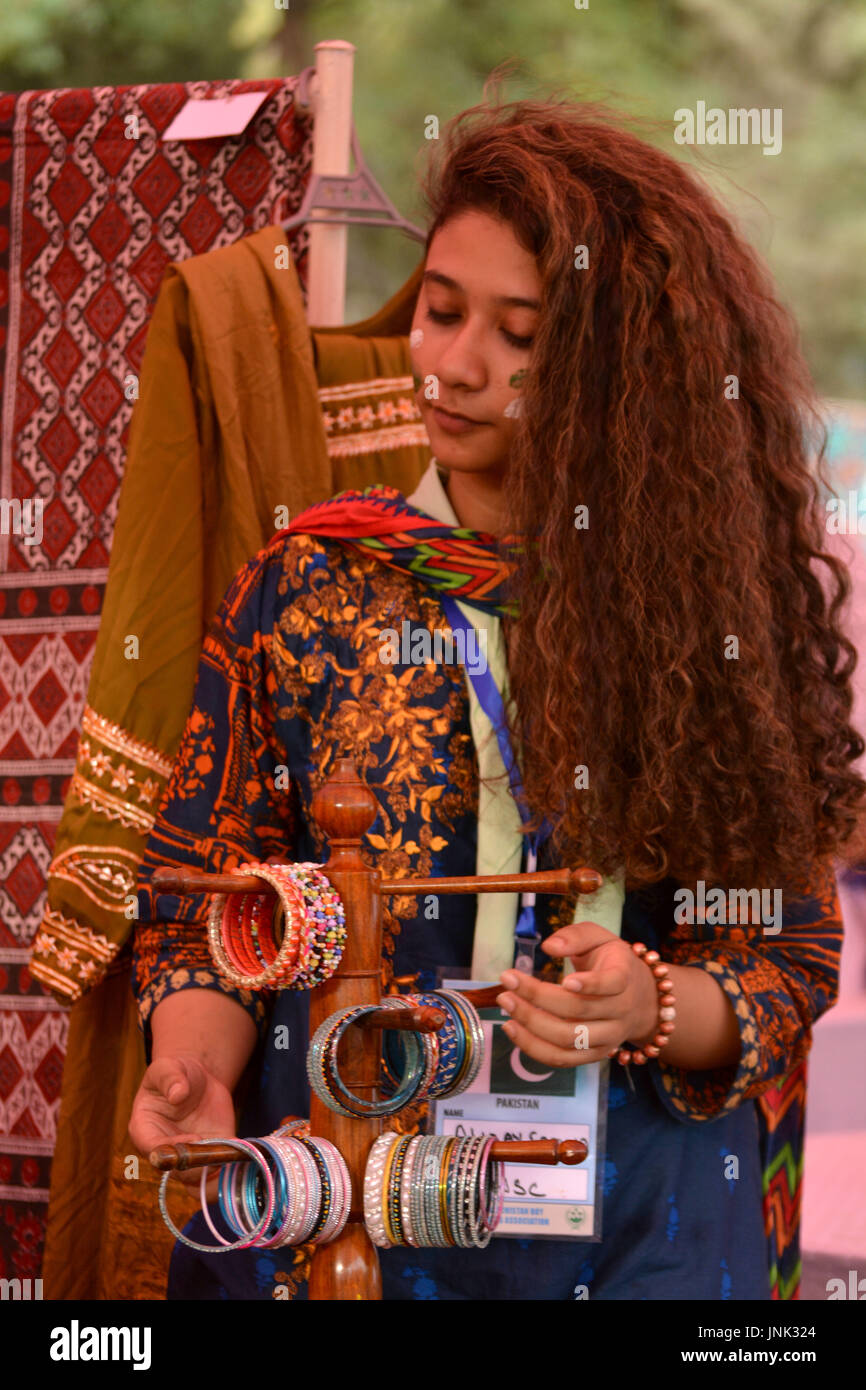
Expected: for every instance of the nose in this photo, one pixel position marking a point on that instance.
(462, 362)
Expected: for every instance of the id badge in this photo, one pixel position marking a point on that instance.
(516, 1097)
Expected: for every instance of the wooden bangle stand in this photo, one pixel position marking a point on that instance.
(344, 807)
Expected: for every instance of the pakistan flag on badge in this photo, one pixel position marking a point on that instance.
(513, 1073)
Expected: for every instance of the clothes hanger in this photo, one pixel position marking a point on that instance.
(350, 193)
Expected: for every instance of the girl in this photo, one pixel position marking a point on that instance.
(606, 378)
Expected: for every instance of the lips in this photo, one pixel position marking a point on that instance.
(454, 416)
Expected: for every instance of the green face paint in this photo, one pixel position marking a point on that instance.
(518, 378)
(418, 381)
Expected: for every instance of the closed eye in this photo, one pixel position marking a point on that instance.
(514, 339)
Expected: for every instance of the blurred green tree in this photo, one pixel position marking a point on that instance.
(804, 209)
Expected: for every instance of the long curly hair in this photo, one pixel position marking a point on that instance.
(681, 684)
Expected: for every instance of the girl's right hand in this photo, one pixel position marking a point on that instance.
(180, 1100)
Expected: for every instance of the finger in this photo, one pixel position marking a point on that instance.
(611, 981)
(562, 1031)
(168, 1077)
(569, 1005)
(538, 992)
(554, 1056)
(603, 983)
(577, 938)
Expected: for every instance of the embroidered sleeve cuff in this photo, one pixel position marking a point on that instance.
(256, 1004)
(697, 1096)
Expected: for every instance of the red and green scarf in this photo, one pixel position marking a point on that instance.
(462, 563)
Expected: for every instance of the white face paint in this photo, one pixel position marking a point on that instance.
(514, 408)
(416, 337)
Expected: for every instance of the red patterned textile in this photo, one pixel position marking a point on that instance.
(89, 221)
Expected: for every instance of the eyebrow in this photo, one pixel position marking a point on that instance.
(512, 301)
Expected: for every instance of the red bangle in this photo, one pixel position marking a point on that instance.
(667, 1012)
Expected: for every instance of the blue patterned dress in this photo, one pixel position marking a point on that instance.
(290, 676)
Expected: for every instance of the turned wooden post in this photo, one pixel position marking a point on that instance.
(348, 1267)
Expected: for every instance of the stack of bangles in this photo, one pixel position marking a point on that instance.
(293, 939)
(296, 1190)
(426, 1190)
(415, 1066)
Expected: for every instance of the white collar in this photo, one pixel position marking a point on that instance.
(430, 495)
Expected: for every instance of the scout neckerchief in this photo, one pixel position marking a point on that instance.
(460, 564)
(451, 559)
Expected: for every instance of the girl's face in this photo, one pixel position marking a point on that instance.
(474, 322)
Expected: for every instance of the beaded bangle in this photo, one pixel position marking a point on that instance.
(667, 1011)
(243, 929)
(341, 1185)
(374, 1218)
(407, 1179)
(385, 1190)
(394, 1196)
(264, 943)
(325, 937)
(325, 1190)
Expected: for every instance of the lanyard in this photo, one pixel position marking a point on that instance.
(490, 700)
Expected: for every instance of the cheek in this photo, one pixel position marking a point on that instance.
(421, 353)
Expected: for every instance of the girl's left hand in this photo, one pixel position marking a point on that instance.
(610, 999)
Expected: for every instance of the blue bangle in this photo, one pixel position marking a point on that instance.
(214, 1249)
(452, 1044)
(253, 1196)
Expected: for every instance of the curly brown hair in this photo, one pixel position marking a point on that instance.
(681, 647)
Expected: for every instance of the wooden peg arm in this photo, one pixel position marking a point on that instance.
(483, 998)
(424, 1019)
(544, 1151)
(177, 1158)
(168, 880)
(181, 1157)
(583, 880)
